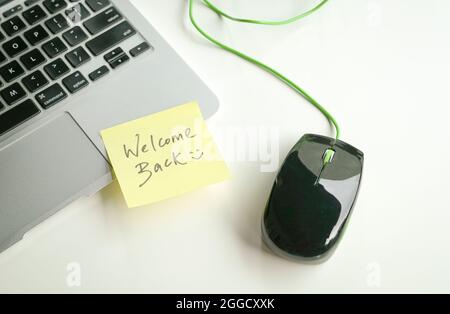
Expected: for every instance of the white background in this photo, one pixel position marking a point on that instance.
(382, 67)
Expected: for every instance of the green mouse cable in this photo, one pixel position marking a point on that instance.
(259, 64)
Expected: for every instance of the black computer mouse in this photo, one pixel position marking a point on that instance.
(312, 198)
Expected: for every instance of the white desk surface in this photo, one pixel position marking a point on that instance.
(381, 66)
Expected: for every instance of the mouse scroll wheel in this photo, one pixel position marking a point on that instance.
(328, 156)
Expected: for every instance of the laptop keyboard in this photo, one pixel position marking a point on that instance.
(43, 44)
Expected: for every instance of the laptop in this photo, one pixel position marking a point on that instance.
(69, 69)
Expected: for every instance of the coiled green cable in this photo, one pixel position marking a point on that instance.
(261, 65)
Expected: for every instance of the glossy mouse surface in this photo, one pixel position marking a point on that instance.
(311, 200)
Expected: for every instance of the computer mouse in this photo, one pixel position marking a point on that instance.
(312, 199)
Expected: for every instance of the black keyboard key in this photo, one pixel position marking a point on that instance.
(35, 81)
(11, 71)
(75, 36)
(54, 47)
(51, 96)
(56, 69)
(32, 59)
(75, 82)
(119, 61)
(34, 15)
(54, 6)
(57, 24)
(12, 11)
(1, 106)
(13, 93)
(29, 3)
(99, 73)
(102, 20)
(78, 57)
(2, 37)
(2, 57)
(116, 57)
(136, 51)
(114, 54)
(17, 115)
(110, 38)
(36, 35)
(13, 26)
(15, 46)
(97, 5)
(77, 13)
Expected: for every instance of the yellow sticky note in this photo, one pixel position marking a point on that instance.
(164, 155)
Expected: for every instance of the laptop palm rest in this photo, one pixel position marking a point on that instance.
(53, 165)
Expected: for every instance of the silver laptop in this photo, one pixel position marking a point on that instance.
(68, 69)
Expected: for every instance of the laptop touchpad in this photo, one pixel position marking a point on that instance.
(44, 171)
